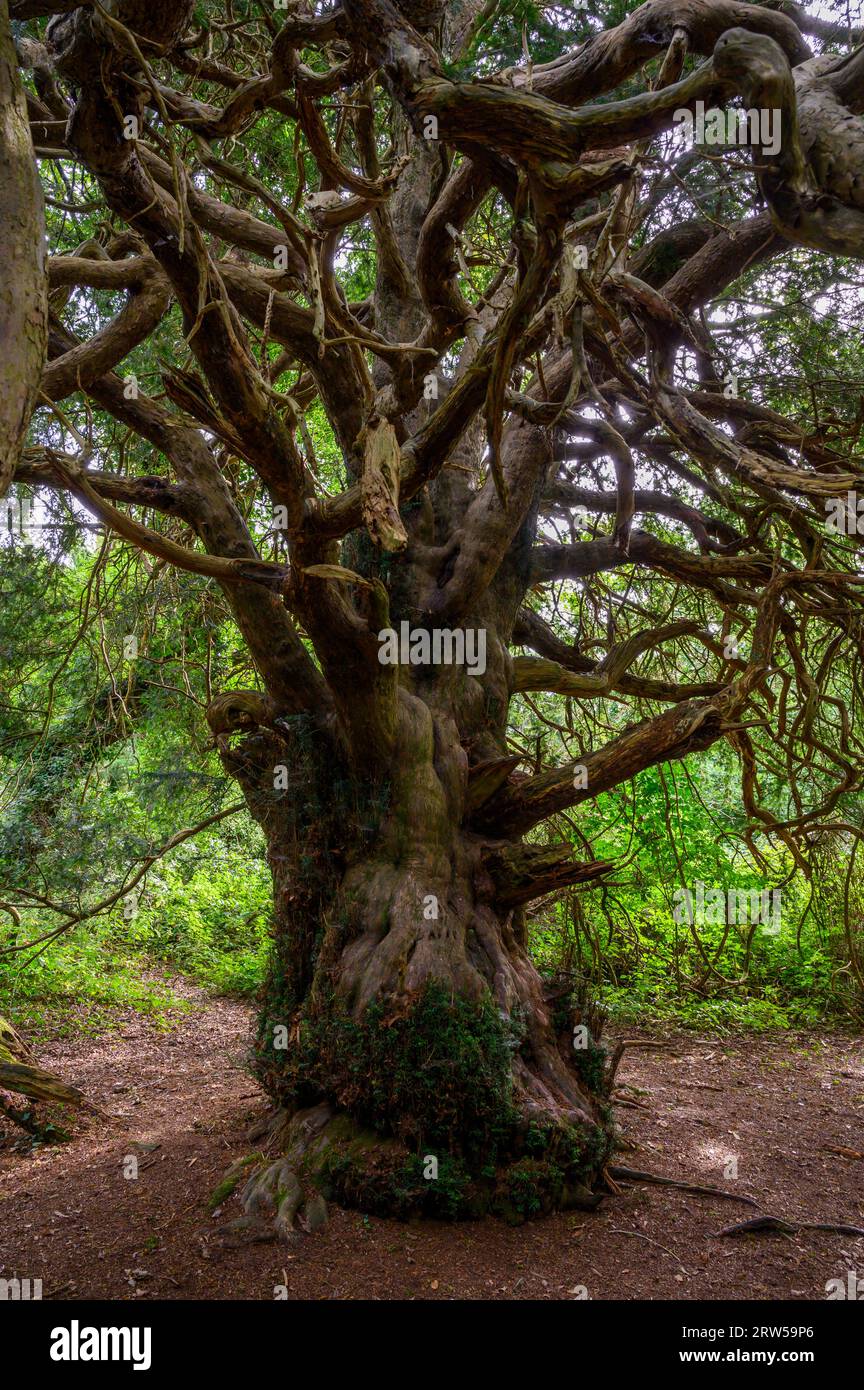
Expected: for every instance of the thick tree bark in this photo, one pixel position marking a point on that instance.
(403, 1016)
(23, 284)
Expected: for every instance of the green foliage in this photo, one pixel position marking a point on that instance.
(382, 1181)
(206, 912)
(84, 983)
(590, 1062)
(360, 1168)
(433, 1080)
(102, 761)
(681, 827)
(531, 1184)
(513, 27)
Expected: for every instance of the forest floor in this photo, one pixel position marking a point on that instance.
(780, 1110)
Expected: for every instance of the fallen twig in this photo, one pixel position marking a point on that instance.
(618, 1232)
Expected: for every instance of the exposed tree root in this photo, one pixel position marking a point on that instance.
(321, 1155)
(787, 1228)
(636, 1175)
(630, 1103)
(618, 1053)
(276, 1200)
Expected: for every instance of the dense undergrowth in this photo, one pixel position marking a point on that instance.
(203, 913)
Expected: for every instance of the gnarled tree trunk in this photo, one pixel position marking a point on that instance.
(403, 1020)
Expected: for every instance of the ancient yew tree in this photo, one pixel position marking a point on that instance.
(433, 345)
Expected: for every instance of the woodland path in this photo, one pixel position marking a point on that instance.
(777, 1105)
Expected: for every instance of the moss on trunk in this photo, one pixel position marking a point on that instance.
(403, 1029)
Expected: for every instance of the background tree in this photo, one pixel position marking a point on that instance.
(430, 306)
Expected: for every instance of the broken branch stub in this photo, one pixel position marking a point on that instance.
(380, 486)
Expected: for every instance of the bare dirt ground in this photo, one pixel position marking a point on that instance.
(775, 1110)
